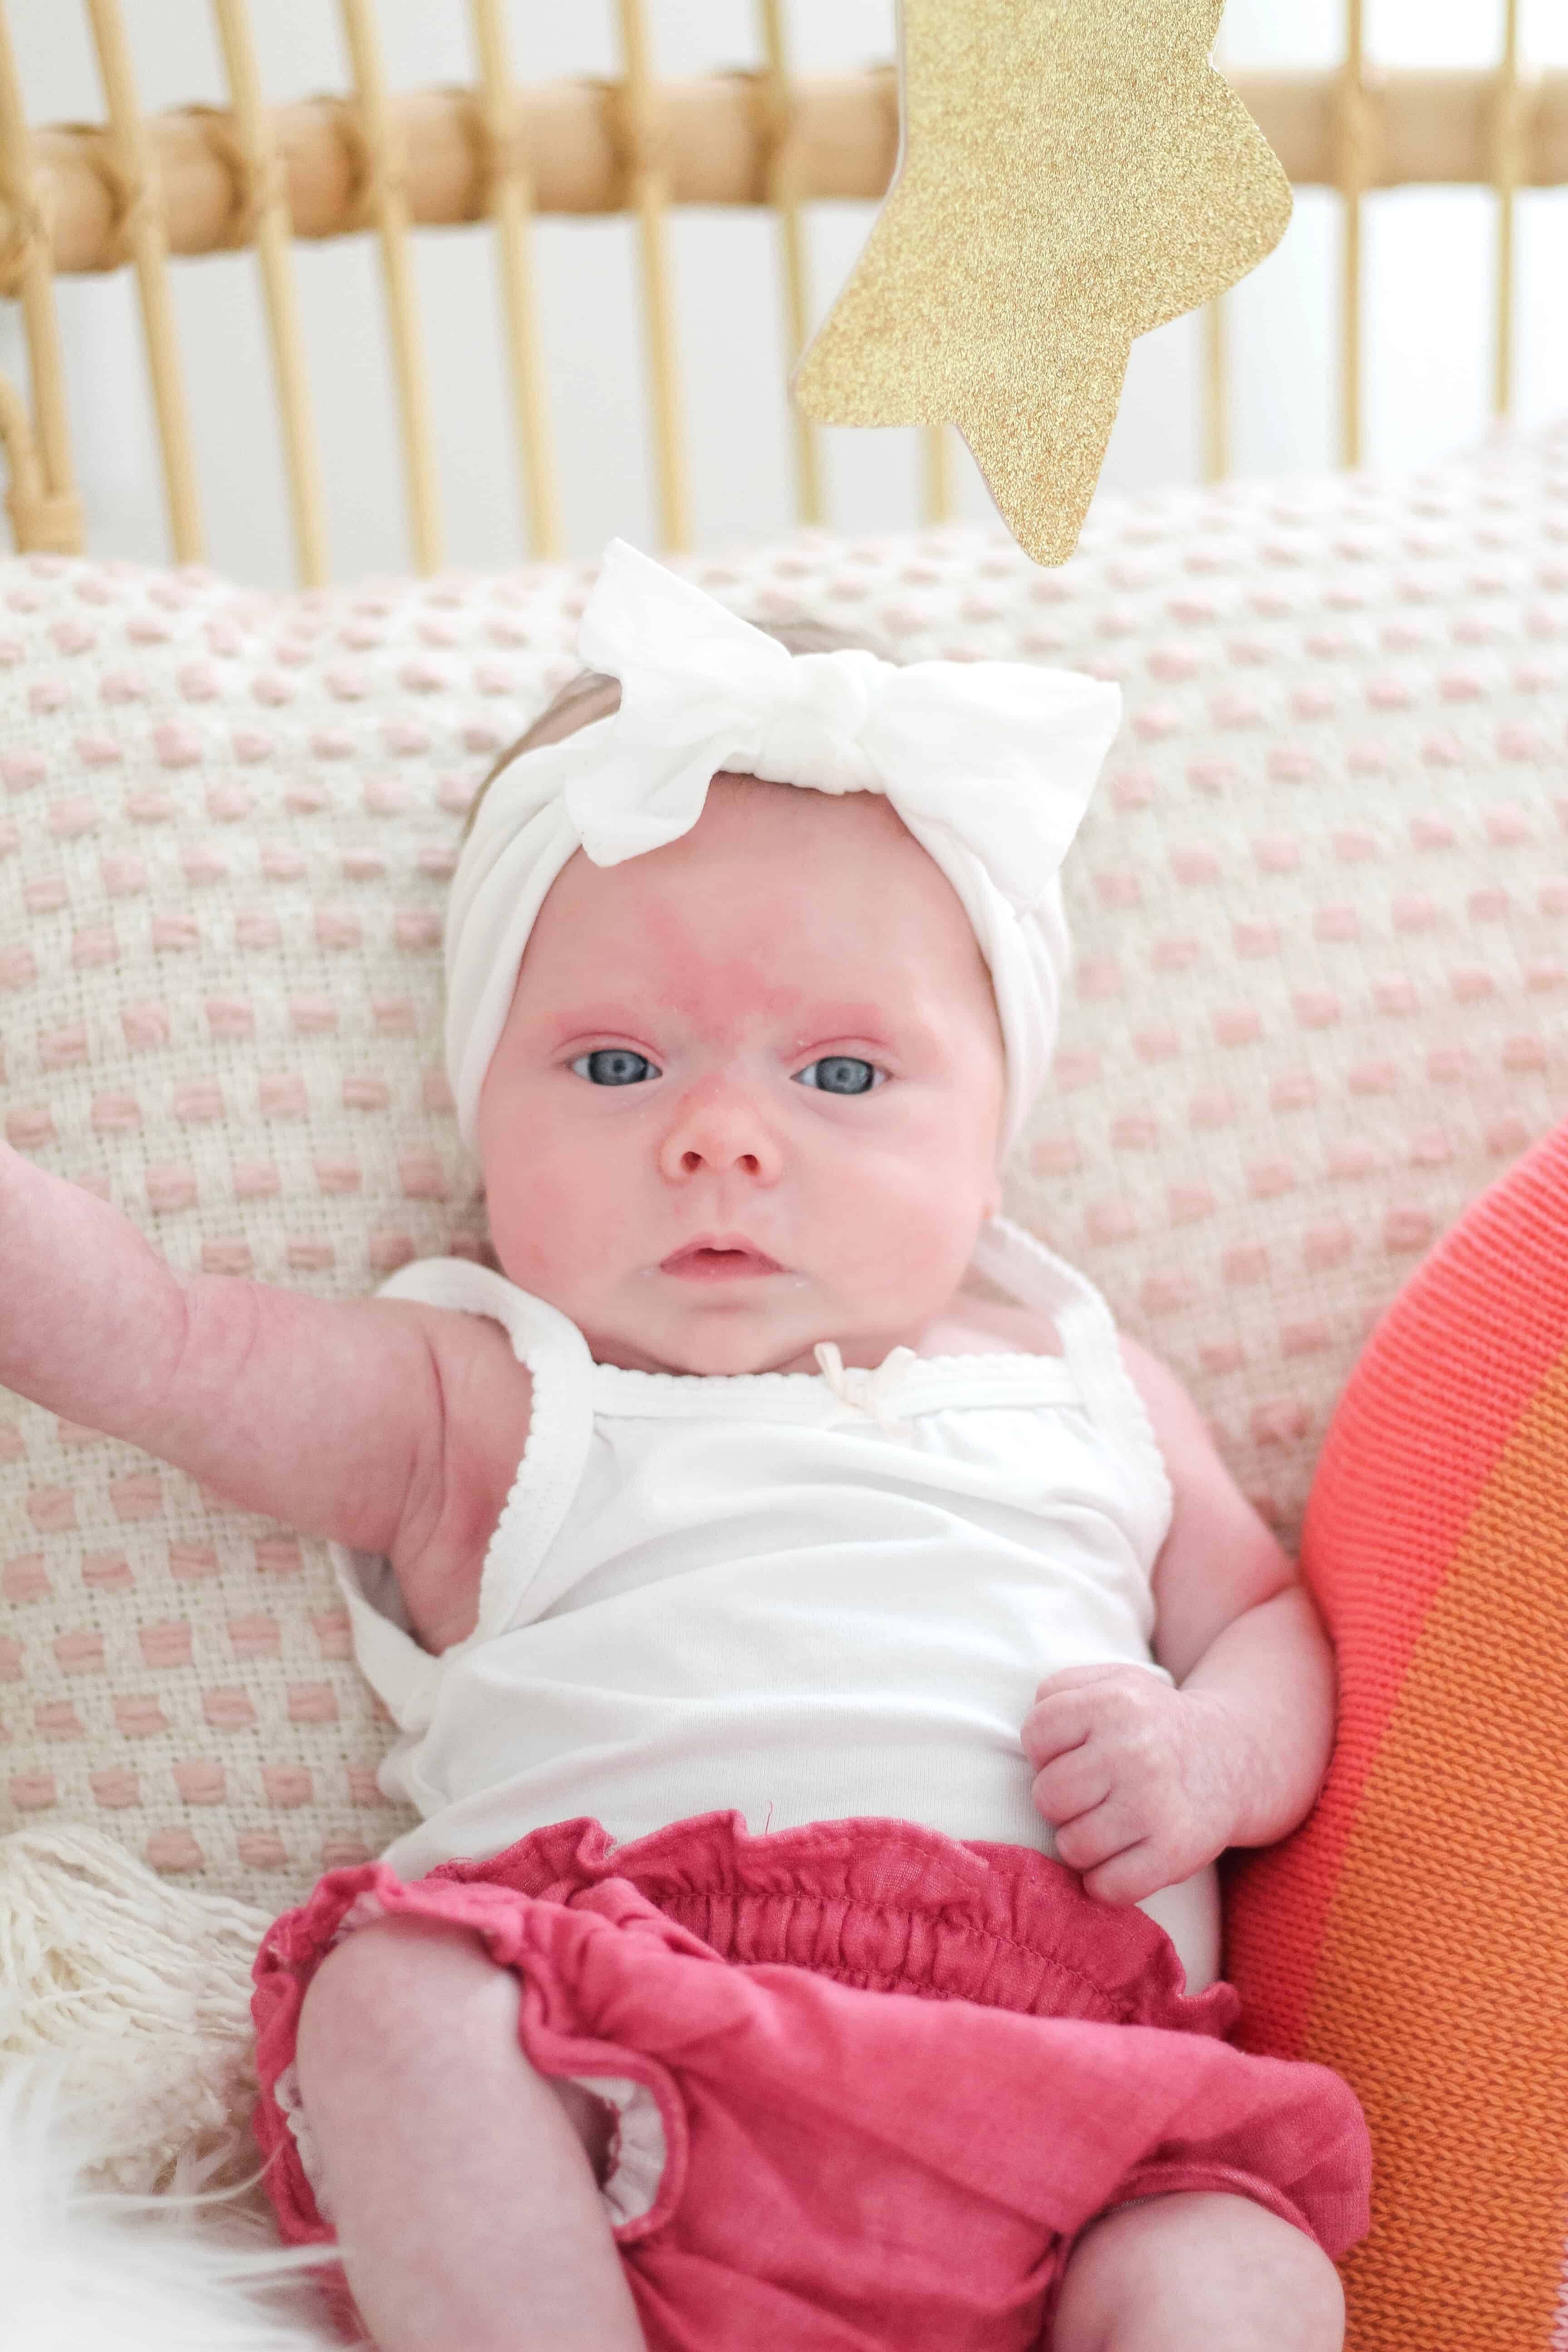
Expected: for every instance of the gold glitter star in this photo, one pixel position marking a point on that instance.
(1073, 173)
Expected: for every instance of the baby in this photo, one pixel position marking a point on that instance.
(827, 1660)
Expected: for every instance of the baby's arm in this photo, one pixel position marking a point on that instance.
(328, 1415)
(1143, 1783)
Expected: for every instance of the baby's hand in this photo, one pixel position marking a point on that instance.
(1138, 1780)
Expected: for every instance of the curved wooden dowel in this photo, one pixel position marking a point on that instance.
(43, 521)
(1420, 128)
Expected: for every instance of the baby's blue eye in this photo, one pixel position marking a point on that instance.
(614, 1066)
(841, 1074)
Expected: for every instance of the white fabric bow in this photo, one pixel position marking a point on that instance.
(1001, 755)
(989, 764)
(868, 1389)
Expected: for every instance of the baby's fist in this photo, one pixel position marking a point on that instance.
(1133, 1776)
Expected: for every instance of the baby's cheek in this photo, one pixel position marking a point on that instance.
(551, 1206)
(917, 1228)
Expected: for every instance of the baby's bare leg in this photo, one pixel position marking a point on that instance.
(462, 2183)
(1198, 2271)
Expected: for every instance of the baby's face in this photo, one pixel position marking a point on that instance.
(748, 1092)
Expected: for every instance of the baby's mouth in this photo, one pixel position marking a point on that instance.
(718, 1262)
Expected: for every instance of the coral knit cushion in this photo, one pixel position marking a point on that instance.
(1428, 1890)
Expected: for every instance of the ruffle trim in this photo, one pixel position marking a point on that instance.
(638, 2151)
(883, 1903)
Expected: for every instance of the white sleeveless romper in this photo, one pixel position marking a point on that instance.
(795, 1596)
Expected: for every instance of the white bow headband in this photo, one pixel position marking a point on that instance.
(990, 765)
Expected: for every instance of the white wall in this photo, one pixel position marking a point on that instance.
(1429, 278)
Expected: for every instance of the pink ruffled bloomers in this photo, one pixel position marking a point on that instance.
(871, 2082)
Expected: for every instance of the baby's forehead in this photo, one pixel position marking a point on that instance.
(766, 827)
(777, 894)
(778, 850)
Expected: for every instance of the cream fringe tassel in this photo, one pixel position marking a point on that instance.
(126, 2083)
(140, 1990)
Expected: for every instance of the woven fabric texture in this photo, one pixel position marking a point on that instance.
(1321, 997)
(1427, 1886)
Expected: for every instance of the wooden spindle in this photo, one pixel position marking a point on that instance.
(1217, 391)
(267, 204)
(46, 512)
(511, 202)
(1353, 175)
(649, 198)
(936, 472)
(143, 230)
(386, 169)
(781, 178)
(1508, 141)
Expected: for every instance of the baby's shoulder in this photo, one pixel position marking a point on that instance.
(975, 1322)
(1183, 1435)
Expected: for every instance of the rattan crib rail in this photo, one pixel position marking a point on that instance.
(141, 188)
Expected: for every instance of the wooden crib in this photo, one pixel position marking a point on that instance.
(143, 191)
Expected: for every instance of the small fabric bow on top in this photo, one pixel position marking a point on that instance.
(868, 1389)
(989, 764)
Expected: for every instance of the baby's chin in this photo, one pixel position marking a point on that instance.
(725, 1329)
(721, 1335)
(733, 1346)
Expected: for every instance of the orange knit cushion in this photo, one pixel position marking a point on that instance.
(1413, 1933)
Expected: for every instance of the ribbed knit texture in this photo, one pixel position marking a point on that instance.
(1413, 1933)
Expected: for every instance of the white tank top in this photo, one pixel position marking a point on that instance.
(803, 1596)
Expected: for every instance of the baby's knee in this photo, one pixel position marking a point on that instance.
(397, 1991)
(403, 2005)
(1198, 2271)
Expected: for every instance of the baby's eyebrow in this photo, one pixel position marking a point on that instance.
(576, 1020)
(833, 1020)
(871, 1025)
(826, 1023)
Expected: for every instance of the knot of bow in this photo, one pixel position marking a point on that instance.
(868, 1389)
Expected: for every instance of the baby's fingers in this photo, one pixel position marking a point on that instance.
(1097, 1835)
(1057, 1724)
(1128, 1876)
(1073, 1784)
(1125, 1704)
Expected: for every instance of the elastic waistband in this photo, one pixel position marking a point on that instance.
(885, 1905)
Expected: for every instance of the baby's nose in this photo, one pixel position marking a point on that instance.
(719, 1127)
